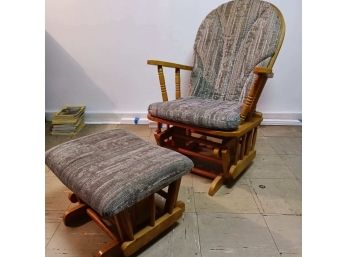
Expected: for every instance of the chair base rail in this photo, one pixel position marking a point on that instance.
(229, 152)
(241, 165)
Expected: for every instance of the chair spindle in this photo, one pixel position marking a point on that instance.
(177, 83)
(162, 83)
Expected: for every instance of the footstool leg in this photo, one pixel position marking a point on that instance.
(111, 248)
(173, 191)
(77, 214)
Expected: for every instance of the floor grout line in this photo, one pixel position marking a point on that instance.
(281, 154)
(251, 213)
(280, 136)
(199, 236)
(294, 178)
(271, 234)
(253, 194)
(53, 234)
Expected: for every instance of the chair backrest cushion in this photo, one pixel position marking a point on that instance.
(231, 41)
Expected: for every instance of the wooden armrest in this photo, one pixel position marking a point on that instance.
(255, 90)
(264, 71)
(169, 64)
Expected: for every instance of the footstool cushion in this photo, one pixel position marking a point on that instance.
(113, 170)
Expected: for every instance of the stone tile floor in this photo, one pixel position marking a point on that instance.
(246, 220)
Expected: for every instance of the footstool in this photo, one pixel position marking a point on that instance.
(128, 186)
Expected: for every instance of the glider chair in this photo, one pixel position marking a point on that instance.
(216, 125)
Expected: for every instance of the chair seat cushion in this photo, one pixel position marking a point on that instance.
(113, 170)
(200, 112)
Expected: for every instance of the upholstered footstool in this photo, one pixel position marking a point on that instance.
(126, 185)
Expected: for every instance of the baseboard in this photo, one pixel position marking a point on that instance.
(110, 118)
(275, 122)
(289, 119)
(293, 119)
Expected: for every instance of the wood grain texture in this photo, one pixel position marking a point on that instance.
(128, 235)
(173, 191)
(148, 233)
(254, 121)
(177, 83)
(233, 154)
(169, 64)
(162, 83)
(215, 185)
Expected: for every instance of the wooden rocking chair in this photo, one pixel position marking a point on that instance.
(216, 125)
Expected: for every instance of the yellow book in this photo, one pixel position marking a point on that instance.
(69, 133)
(59, 121)
(70, 111)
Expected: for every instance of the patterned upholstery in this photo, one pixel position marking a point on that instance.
(231, 41)
(113, 170)
(207, 113)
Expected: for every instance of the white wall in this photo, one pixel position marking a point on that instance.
(96, 54)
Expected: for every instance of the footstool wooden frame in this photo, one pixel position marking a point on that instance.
(135, 222)
(126, 234)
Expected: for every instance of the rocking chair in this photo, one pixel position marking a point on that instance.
(216, 125)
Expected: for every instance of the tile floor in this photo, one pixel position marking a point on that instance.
(245, 221)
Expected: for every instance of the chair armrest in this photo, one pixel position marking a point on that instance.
(254, 93)
(169, 64)
(177, 67)
(264, 71)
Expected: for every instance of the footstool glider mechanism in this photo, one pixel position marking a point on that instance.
(127, 186)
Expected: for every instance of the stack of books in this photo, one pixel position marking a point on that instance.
(68, 121)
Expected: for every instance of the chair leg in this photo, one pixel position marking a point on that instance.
(179, 142)
(242, 155)
(161, 136)
(241, 165)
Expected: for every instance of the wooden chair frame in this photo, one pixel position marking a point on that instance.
(133, 228)
(232, 151)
